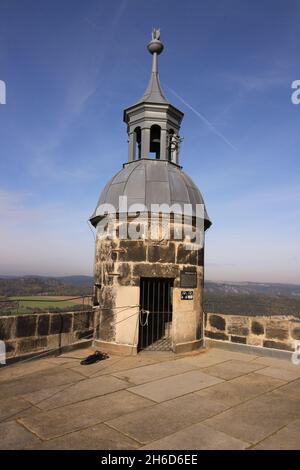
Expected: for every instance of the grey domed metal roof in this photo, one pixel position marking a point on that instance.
(149, 182)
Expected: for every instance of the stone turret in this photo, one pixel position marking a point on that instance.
(150, 222)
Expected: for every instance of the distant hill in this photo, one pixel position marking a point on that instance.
(252, 298)
(40, 285)
(85, 281)
(243, 298)
(248, 288)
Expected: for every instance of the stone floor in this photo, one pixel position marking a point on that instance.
(214, 399)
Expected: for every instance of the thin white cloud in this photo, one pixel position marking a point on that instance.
(203, 119)
(13, 207)
(258, 83)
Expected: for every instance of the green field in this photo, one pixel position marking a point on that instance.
(37, 304)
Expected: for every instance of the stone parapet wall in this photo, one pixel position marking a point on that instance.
(27, 334)
(275, 332)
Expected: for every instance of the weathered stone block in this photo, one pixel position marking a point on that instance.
(104, 250)
(185, 256)
(155, 270)
(238, 339)
(277, 345)
(238, 325)
(135, 281)
(53, 341)
(107, 327)
(277, 333)
(107, 297)
(82, 321)
(255, 340)
(124, 270)
(217, 322)
(199, 330)
(43, 323)
(134, 250)
(86, 334)
(114, 256)
(61, 323)
(10, 348)
(27, 345)
(26, 325)
(216, 335)
(7, 327)
(295, 331)
(108, 273)
(257, 328)
(161, 253)
(67, 338)
(201, 257)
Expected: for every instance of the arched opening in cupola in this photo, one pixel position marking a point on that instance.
(155, 132)
(138, 142)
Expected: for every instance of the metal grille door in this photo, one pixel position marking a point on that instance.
(155, 314)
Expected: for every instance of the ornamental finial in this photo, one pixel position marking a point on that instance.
(155, 46)
(155, 34)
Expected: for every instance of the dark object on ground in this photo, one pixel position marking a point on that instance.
(97, 356)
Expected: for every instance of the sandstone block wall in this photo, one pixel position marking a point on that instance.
(121, 263)
(25, 334)
(275, 332)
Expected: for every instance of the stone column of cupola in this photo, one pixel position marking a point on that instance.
(145, 142)
(174, 153)
(131, 146)
(163, 145)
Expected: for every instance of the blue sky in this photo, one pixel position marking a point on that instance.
(72, 66)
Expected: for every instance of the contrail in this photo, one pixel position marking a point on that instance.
(203, 118)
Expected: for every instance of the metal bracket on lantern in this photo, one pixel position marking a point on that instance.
(174, 142)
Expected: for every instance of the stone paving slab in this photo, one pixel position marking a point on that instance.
(54, 423)
(98, 368)
(240, 389)
(175, 386)
(115, 364)
(152, 372)
(157, 421)
(198, 437)
(83, 390)
(64, 361)
(256, 419)
(210, 357)
(40, 395)
(184, 403)
(78, 353)
(22, 369)
(276, 362)
(41, 380)
(287, 438)
(100, 437)
(280, 373)
(292, 389)
(14, 436)
(12, 407)
(233, 368)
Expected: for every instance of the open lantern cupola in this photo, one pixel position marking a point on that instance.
(153, 124)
